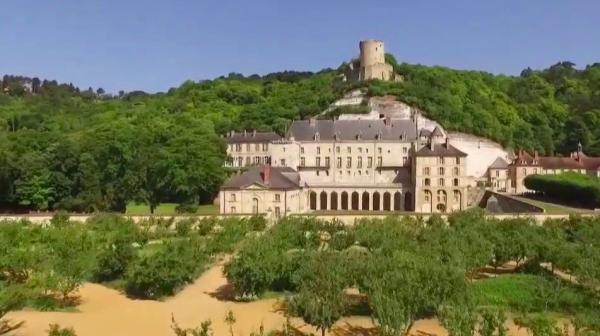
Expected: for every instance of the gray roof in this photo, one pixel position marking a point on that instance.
(440, 150)
(282, 178)
(437, 132)
(252, 137)
(499, 163)
(394, 129)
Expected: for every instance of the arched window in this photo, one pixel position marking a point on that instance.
(376, 201)
(344, 200)
(313, 200)
(255, 206)
(334, 201)
(323, 200)
(397, 201)
(365, 201)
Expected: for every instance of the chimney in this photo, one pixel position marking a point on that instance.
(253, 133)
(245, 133)
(447, 142)
(535, 155)
(266, 174)
(312, 121)
(431, 143)
(232, 133)
(387, 121)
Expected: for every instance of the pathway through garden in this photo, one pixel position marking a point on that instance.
(105, 311)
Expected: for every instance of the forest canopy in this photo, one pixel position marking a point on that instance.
(85, 150)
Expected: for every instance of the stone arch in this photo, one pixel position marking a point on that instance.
(397, 201)
(387, 201)
(334, 201)
(313, 200)
(442, 201)
(457, 200)
(408, 204)
(344, 200)
(323, 199)
(365, 201)
(355, 200)
(376, 201)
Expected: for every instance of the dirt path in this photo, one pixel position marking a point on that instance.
(105, 311)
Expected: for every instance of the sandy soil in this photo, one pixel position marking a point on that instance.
(105, 311)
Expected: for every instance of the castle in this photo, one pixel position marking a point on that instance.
(370, 64)
(390, 160)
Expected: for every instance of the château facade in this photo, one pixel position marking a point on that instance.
(348, 165)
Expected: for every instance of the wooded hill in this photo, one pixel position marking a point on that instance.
(84, 150)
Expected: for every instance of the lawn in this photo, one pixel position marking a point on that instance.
(531, 293)
(168, 209)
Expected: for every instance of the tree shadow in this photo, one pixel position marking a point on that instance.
(225, 292)
(351, 330)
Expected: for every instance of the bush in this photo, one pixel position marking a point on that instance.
(162, 273)
(567, 187)
(56, 330)
(184, 226)
(187, 208)
(112, 261)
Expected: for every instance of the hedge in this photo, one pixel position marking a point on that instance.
(568, 187)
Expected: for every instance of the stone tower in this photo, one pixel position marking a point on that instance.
(372, 61)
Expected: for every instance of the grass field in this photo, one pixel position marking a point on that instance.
(168, 209)
(530, 293)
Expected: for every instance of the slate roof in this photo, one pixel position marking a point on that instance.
(392, 129)
(577, 160)
(252, 137)
(282, 178)
(499, 163)
(441, 150)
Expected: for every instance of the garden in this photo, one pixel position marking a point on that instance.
(470, 274)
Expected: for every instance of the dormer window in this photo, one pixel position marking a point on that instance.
(317, 136)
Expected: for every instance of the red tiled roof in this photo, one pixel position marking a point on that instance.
(575, 161)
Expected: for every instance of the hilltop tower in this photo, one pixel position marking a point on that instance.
(372, 61)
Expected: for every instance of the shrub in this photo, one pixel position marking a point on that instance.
(166, 270)
(567, 187)
(56, 330)
(184, 226)
(112, 261)
(187, 208)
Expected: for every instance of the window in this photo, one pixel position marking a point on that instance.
(318, 161)
(379, 150)
(247, 147)
(359, 173)
(255, 205)
(257, 147)
(302, 162)
(427, 182)
(247, 160)
(442, 171)
(441, 160)
(497, 173)
(256, 160)
(348, 162)
(360, 149)
(238, 147)
(277, 212)
(318, 173)
(404, 150)
(265, 147)
(456, 171)
(457, 160)
(455, 182)
(366, 172)
(359, 162)
(337, 149)
(327, 161)
(427, 198)
(404, 160)
(232, 210)
(441, 182)
(240, 161)
(349, 149)
(283, 163)
(318, 150)
(379, 161)
(277, 198)
(426, 171)
(301, 150)
(339, 163)
(232, 198)
(370, 162)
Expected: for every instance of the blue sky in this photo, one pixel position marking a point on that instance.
(153, 45)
